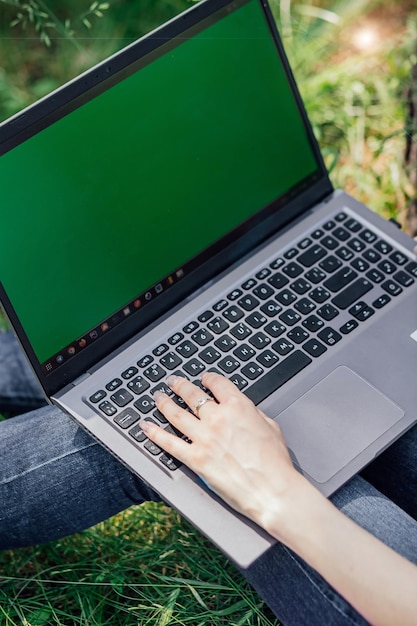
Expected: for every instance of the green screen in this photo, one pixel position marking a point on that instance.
(105, 202)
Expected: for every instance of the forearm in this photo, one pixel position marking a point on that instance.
(379, 583)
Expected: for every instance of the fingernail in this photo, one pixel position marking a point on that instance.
(172, 379)
(158, 395)
(145, 425)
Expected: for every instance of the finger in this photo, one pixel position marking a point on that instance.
(221, 387)
(190, 393)
(182, 419)
(173, 445)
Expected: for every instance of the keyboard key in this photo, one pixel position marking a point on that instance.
(391, 287)
(412, 268)
(330, 264)
(341, 233)
(190, 327)
(209, 355)
(304, 306)
(327, 311)
(152, 448)
(259, 341)
(329, 242)
(130, 372)
(383, 247)
(300, 286)
(97, 396)
(267, 358)
(313, 323)
(216, 325)
(239, 381)
(112, 385)
(144, 404)
(228, 364)
(256, 319)
(203, 317)
(170, 462)
(263, 291)
(286, 297)
(275, 329)
(275, 265)
(329, 225)
(353, 225)
(360, 264)
(154, 373)
(291, 253)
(177, 337)
(319, 294)
(340, 279)
(252, 370)
(368, 236)
(348, 327)
(202, 336)
(248, 302)
(314, 347)
(290, 317)
(219, 306)
(127, 418)
(329, 336)
(398, 257)
(137, 434)
(344, 253)
(283, 346)
(372, 255)
(278, 280)
(403, 278)
(298, 334)
(138, 385)
(194, 367)
(145, 361)
(235, 294)
(305, 243)
(352, 293)
(186, 348)
(381, 301)
(249, 284)
(387, 267)
(357, 245)
(121, 397)
(241, 331)
(244, 352)
(225, 343)
(292, 270)
(375, 275)
(316, 234)
(107, 408)
(277, 376)
(170, 361)
(263, 273)
(315, 275)
(271, 308)
(233, 313)
(160, 350)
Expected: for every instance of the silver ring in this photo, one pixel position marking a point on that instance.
(200, 403)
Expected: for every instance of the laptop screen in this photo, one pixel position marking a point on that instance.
(114, 203)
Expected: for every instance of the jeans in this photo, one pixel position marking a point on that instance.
(55, 480)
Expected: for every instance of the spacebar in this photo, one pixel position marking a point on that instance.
(277, 376)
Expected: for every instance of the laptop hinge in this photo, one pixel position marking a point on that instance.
(80, 379)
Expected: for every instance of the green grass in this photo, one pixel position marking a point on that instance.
(147, 565)
(144, 566)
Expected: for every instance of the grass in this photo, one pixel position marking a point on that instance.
(144, 566)
(147, 565)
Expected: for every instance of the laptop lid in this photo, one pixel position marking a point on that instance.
(127, 189)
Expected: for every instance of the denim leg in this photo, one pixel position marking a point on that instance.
(19, 389)
(56, 480)
(297, 594)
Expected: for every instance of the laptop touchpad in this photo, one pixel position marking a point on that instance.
(335, 421)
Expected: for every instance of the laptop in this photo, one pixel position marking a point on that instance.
(168, 211)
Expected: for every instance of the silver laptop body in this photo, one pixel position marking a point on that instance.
(307, 300)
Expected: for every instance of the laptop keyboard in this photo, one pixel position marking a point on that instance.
(268, 328)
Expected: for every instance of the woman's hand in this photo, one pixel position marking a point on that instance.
(237, 450)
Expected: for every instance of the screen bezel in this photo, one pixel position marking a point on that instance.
(212, 261)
